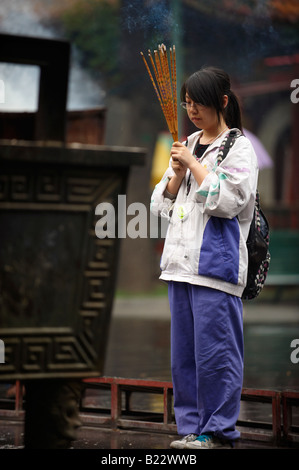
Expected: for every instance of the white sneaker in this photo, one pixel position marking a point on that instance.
(208, 441)
(182, 443)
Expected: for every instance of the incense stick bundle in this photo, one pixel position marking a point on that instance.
(162, 73)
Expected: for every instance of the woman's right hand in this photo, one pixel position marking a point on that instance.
(179, 174)
(178, 168)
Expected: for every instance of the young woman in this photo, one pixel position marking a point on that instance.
(204, 261)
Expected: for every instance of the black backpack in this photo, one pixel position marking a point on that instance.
(258, 236)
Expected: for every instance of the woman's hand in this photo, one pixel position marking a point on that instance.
(178, 168)
(184, 157)
(181, 156)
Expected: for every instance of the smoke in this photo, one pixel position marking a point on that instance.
(150, 18)
(21, 81)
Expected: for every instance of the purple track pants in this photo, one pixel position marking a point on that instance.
(206, 359)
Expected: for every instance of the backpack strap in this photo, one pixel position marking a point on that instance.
(226, 144)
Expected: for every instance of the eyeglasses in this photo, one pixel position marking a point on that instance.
(189, 105)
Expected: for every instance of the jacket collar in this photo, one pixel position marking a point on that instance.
(193, 139)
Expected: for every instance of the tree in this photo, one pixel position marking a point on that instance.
(93, 27)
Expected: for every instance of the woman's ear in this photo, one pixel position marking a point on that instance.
(225, 101)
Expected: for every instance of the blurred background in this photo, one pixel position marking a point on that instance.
(111, 101)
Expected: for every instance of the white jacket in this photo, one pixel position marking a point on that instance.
(206, 237)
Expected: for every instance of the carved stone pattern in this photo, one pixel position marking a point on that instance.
(33, 352)
(49, 187)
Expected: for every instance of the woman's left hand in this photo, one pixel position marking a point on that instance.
(180, 152)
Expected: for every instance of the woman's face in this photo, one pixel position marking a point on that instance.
(204, 117)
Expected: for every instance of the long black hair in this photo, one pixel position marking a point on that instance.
(207, 87)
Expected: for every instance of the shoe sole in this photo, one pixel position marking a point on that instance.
(178, 445)
(190, 445)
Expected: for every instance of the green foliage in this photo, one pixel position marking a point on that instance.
(92, 26)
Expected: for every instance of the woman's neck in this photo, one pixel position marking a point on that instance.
(210, 135)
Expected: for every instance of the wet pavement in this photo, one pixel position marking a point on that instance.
(139, 347)
(100, 438)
